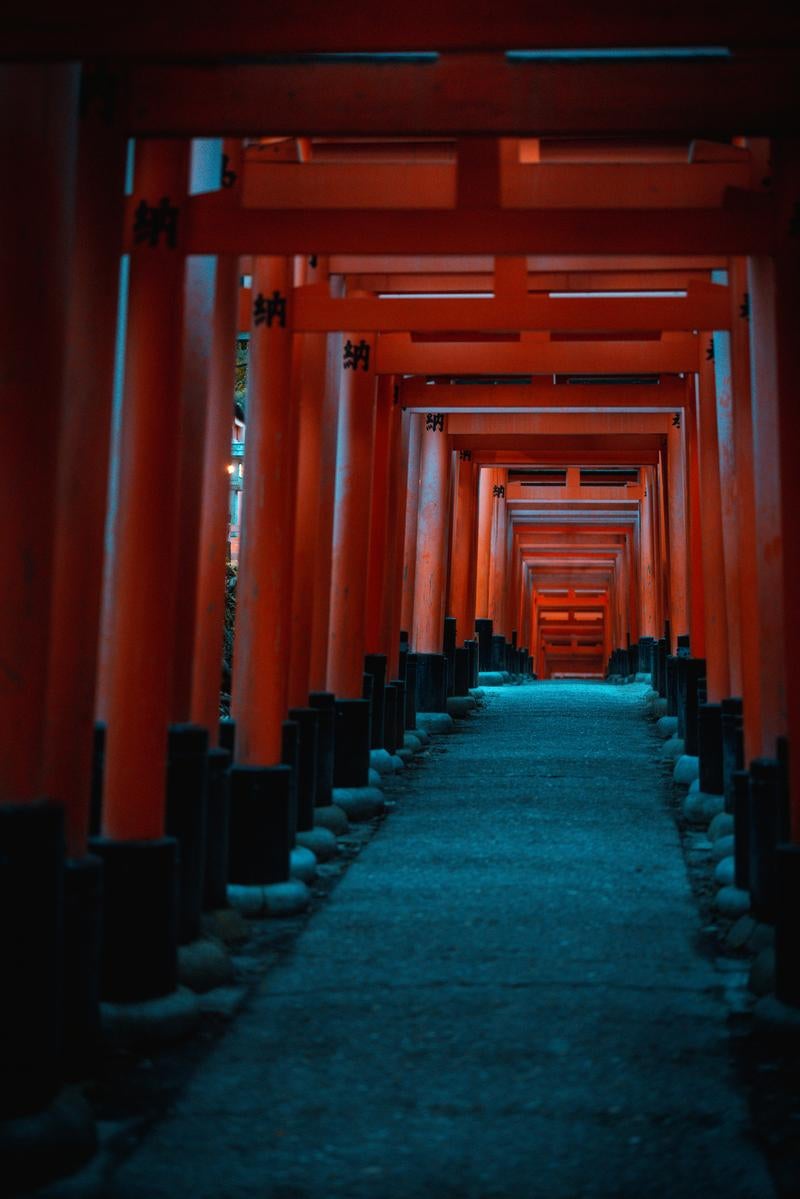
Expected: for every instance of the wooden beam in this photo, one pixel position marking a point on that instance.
(397, 354)
(426, 264)
(706, 306)
(669, 394)
(744, 226)
(543, 185)
(461, 95)
(537, 282)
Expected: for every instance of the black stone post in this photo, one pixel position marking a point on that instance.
(98, 767)
(323, 703)
(411, 691)
(431, 683)
(498, 658)
(289, 757)
(375, 665)
(185, 819)
(261, 827)
(83, 940)
(695, 670)
(31, 994)
(740, 784)
(139, 958)
(461, 672)
(390, 719)
(661, 668)
(215, 879)
(449, 650)
(483, 630)
(307, 722)
(764, 835)
(472, 650)
(732, 746)
(227, 736)
(709, 747)
(400, 712)
(672, 685)
(351, 743)
(787, 924)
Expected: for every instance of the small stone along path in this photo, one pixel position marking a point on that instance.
(504, 997)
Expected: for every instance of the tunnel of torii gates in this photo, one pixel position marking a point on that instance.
(521, 397)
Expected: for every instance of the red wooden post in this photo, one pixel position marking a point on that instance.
(263, 606)
(83, 474)
(352, 516)
(309, 591)
(143, 582)
(412, 509)
(210, 598)
(716, 608)
(429, 589)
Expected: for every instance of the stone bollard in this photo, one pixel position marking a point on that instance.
(215, 876)
(740, 781)
(324, 704)
(431, 683)
(185, 819)
(375, 665)
(709, 748)
(764, 810)
(483, 630)
(351, 743)
(732, 746)
(787, 924)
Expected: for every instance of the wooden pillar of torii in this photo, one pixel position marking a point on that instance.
(38, 144)
(431, 566)
(261, 816)
(351, 531)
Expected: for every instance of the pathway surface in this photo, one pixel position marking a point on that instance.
(501, 1000)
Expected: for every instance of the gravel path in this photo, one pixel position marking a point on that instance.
(501, 1000)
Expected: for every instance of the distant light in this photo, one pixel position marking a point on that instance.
(247, 280)
(435, 295)
(230, 468)
(594, 54)
(616, 295)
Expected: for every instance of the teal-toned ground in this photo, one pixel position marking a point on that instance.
(505, 997)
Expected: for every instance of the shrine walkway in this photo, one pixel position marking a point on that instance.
(503, 998)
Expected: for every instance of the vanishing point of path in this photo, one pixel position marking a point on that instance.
(502, 999)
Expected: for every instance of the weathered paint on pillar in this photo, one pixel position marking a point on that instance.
(264, 587)
(647, 592)
(198, 319)
(730, 507)
(395, 535)
(38, 145)
(310, 393)
(412, 512)
(716, 594)
(374, 625)
(83, 472)
(751, 637)
(432, 532)
(210, 598)
(142, 586)
(352, 516)
(318, 666)
(786, 181)
(765, 432)
(677, 529)
(461, 605)
(697, 635)
(487, 480)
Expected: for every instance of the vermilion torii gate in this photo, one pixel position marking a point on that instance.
(513, 357)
